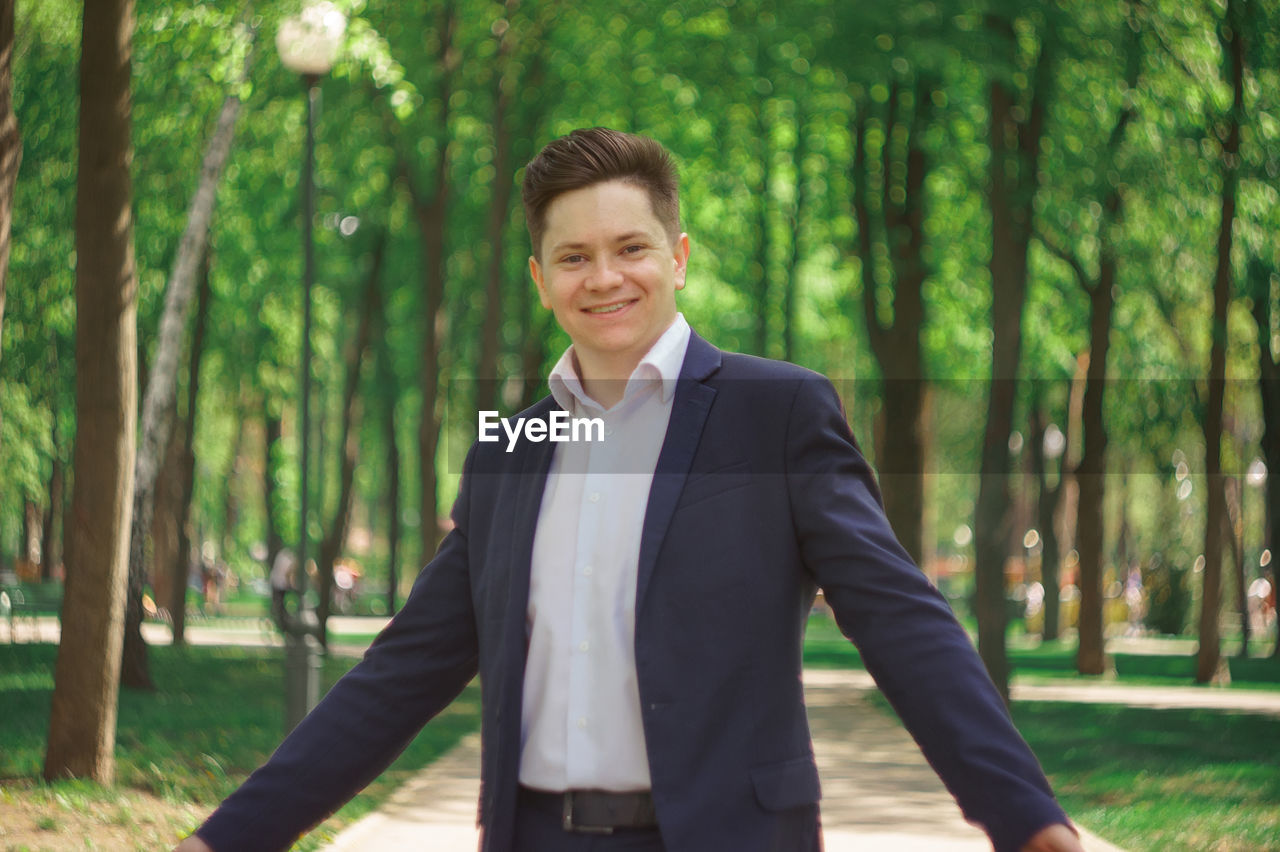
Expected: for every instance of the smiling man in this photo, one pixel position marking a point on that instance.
(635, 607)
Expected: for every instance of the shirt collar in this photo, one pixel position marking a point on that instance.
(661, 363)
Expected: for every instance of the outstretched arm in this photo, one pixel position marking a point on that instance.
(426, 655)
(912, 645)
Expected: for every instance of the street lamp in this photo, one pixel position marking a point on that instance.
(308, 45)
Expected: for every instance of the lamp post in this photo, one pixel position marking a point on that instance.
(308, 45)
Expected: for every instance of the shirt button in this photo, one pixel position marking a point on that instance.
(608, 430)
(582, 723)
(595, 497)
(588, 571)
(584, 646)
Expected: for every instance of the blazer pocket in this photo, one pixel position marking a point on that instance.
(703, 486)
(789, 784)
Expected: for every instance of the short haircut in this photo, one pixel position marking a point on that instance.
(588, 156)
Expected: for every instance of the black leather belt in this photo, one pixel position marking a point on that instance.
(595, 811)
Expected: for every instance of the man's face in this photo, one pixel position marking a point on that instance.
(609, 273)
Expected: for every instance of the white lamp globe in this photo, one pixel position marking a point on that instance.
(308, 43)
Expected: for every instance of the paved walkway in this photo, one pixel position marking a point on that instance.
(879, 795)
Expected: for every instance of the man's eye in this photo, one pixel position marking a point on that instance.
(632, 249)
(573, 258)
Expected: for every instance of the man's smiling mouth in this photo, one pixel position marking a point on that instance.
(609, 309)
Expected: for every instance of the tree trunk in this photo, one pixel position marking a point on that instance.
(389, 386)
(760, 267)
(488, 381)
(51, 539)
(272, 434)
(1091, 474)
(432, 215)
(165, 521)
(798, 210)
(10, 143)
(161, 393)
(32, 534)
(1046, 521)
(331, 544)
(1235, 539)
(82, 719)
(230, 500)
(1015, 134)
(1209, 656)
(897, 346)
(182, 563)
(535, 322)
(178, 568)
(1259, 284)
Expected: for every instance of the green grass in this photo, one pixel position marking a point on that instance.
(1151, 780)
(1051, 662)
(1162, 780)
(215, 716)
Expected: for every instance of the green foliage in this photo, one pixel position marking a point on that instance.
(24, 444)
(1160, 779)
(734, 89)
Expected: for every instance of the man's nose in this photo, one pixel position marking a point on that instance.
(606, 276)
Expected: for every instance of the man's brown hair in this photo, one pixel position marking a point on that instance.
(588, 156)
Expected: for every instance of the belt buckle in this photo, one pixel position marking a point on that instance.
(569, 825)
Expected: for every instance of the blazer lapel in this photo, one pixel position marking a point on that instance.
(689, 412)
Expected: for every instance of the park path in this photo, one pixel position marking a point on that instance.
(879, 795)
(252, 632)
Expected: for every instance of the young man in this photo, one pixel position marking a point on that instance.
(635, 607)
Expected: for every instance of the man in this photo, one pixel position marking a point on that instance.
(636, 607)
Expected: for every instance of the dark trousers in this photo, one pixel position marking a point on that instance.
(540, 830)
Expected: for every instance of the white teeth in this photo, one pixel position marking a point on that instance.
(608, 309)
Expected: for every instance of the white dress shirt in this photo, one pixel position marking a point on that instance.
(580, 724)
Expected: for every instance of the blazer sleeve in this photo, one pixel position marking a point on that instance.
(912, 644)
(417, 665)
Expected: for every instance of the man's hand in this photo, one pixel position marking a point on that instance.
(1053, 838)
(195, 844)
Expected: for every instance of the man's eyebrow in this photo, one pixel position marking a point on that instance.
(620, 238)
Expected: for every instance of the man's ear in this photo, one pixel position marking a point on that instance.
(681, 259)
(535, 272)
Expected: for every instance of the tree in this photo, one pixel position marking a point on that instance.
(1017, 122)
(331, 545)
(389, 387)
(487, 378)
(1231, 35)
(83, 715)
(1101, 292)
(159, 401)
(1259, 280)
(1048, 500)
(182, 562)
(431, 212)
(897, 344)
(10, 143)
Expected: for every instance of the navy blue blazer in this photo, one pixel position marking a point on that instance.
(760, 497)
